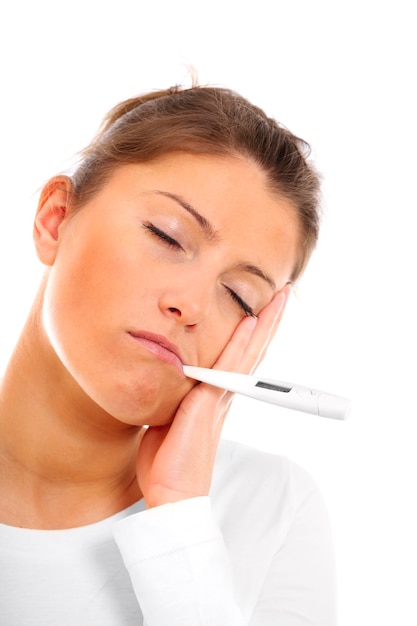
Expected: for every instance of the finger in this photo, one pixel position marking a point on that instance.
(268, 323)
(251, 338)
(234, 351)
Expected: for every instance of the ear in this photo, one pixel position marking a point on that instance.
(53, 210)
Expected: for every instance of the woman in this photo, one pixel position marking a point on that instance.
(175, 241)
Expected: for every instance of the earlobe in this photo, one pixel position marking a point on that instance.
(53, 209)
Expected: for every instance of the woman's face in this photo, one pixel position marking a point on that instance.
(157, 270)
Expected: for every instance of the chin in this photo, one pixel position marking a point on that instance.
(144, 402)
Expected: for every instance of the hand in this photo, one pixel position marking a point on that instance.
(175, 462)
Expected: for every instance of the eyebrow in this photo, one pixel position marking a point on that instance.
(210, 232)
(254, 269)
(214, 236)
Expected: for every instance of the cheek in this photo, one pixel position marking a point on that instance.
(213, 341)
(75, 299)
(83, 279)
(66, 317)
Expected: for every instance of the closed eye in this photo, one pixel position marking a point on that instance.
(162, 236)
(245, 307)
(173, 243)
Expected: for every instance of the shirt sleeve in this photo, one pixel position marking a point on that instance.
(182, 576)
(179, 565)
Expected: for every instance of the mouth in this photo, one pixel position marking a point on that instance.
(160, 346)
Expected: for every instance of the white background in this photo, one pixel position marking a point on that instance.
(342, 76)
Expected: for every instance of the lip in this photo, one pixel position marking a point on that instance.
(160, 346)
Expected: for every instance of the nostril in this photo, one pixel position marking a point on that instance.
(172, 309)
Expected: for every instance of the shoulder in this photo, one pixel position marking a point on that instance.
(276, 528)
(256, 471)
(249, 483)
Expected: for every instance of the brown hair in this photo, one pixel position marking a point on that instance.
(204, 120)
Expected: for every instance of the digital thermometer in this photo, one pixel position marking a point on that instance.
(275, 392)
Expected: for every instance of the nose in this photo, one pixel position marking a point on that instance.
(189, 301)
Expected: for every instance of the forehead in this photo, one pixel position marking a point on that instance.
(231, 193)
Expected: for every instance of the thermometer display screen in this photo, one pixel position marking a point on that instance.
(265, 385)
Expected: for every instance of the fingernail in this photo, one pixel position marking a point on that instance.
(251, 322)
(282, 300)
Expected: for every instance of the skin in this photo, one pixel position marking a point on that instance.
(136, 283)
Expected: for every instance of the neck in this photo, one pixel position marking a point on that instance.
(64, 461)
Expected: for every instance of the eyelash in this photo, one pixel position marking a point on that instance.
(248, 311)
(173, 243)
(160, 234)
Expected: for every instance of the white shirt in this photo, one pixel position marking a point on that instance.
(256, 552)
